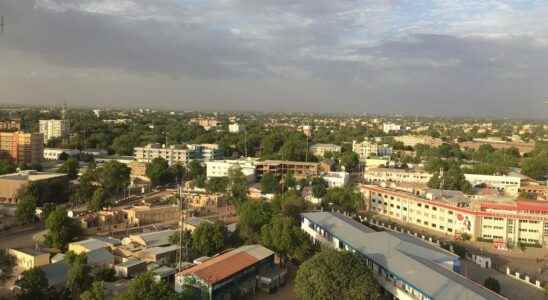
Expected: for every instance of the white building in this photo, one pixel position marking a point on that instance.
(54, 153)
(234, 128)
(53, 129)
(336, 179)
(367, 149)
(319, 150)
(508, 185)
(384, 175)
(221, 168)
(177, 153)
(390, 127)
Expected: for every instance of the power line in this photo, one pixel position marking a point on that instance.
(1, 24)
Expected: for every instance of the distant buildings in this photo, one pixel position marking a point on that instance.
(53, 129)
(476, 143)
(234, 128)
(144, 215)
(28, 258)
(206, 123)
(10, 125)
(178, 153)
(385, 175)
(55, 153)
(240, 271)
(22, 148)
(390, 127)
(280, 167)
(414, 140)
(336, 179)
(508, 185)
(367, 149)
(10, 184)
(319, 150)
(406, 267)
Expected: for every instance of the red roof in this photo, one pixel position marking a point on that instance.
(221, 267)
(518, 205)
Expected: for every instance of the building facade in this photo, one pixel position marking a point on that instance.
(385, 175)
(221, 168)
(53, 129)
(143, 215)
(319, 150)
(336, 179)
(174, 154)
(368, 149)
(29, 258)
(10, 125)
(279, 167)
(22, 148)
(508, 185)
(10, 184)
(55, 153)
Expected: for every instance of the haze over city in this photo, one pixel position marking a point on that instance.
(414, 57)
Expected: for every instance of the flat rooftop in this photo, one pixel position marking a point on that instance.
(412, 260)
(30, 175)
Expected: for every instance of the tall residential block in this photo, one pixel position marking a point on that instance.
(22, 148)
(53, 129)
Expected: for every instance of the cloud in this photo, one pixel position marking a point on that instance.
(416, 56)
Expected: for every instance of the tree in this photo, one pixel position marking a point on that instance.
(6, 166)
(78, 279)
(195, 169)
(349, 160)
(492, 284)
(6, 262)
(33, 285)
(61, 229)
(26, 206)
(252, 216)
(158, 172)
(344, 198)
(453, 179)
(269, 183)
(96, 292)
(319, 187)
(208, 239)
(289, 204)
(331, 272)
(237, 184)
(69, 167)
(284, 237)
(99, 200)
(105, 274)
(124, 144)
(144, 287)
(187, 242)
(114, 177)
(217, 184)
(536, 166)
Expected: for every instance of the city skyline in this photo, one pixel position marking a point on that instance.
(451, 58)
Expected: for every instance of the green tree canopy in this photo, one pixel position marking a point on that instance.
(269, 184)
(78, 277)
(7, 166)
(289, 204)
(319, 187)
(217, 184)
(252, 216)
(114, 177)
(69, 167)
(96, 292)
(144, 287)
(492, 284)
(99, 200)
(25, 210)
(61, 229)
(158, 172)
(33, 284)
(344, 198)
(330, 273)
(7, 262)
(237, 184)
(208, 239)
(284, 237)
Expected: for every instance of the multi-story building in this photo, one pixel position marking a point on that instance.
(367, 149)
(10, 184)
(476, 143)
(319, 150)
(390, 127)
(221, 168)
(206, 123)
(508, 185)
(234, 128)
(413, 140)
(452, 213)
(55, 153)
(336, 179)
(143, 215)
(385, 175)
(404, 266)
(29, 258)
(177, 153)
(298, 168)
(53, 129)
(22, 148)
(10, 125)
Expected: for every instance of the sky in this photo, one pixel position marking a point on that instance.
(425, 57)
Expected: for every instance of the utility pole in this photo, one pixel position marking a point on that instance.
(1, 24)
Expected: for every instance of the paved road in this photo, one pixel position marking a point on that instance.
(19, 239)
(510, 288)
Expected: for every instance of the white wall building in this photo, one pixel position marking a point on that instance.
(54, 153)
(319, 150)
(221, 168)
(506, 184)
(337, 179)
(53, 129)
(177, 153)
(234, 128)
(367, 149)
(384, 175)
(390, 127)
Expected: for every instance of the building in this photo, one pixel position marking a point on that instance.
(10, 184)
(319, 150)
(307, 130)
(385, 175)
(279, 167)
(55, 153)
(53, 129)
(178, 153)
(221, 168)
(476, 143)
(159, 255)
(130, 268)
(150, 239)
(22, 148)
(367, 149)
(92, 244)
(27, 258)
(10, 125)
(336, 179)
(376, 162)
(206, 123)
(192, 223)
(390, 127)
(406, 267)
(144, 214)
(508, 185)
(234, 128)
(414, 140)
(138, 169)
(502, 221)
(196, 200)
(223, 275)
